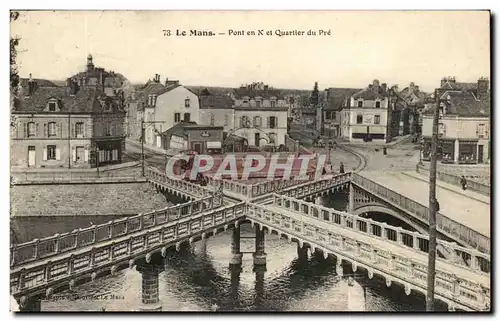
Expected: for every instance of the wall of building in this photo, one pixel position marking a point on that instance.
(217, 117)
(170, 103)
(356, 132)
(249, 133)
(65, 140)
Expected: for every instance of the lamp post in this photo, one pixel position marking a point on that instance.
(97, 159)
(142, 141)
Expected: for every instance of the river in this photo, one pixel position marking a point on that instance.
(198, 279)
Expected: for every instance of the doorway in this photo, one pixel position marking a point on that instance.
(480, 151)
(80, 154)
(197, 147)
(257, 139)
(31, 156)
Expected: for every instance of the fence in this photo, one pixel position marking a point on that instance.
(455, 180)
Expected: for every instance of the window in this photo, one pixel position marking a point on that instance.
(186, 103)
(441, 129)
(51, 152)
(212, 119)
(377, 104)
(244, 122)
(257, 103)
(187, 117)
(257, 121)
(333, 115)
(272, 122)
(481, 131)
(107, 129)
(273, 103)
(177, 117)
(52, 129)
(377, 119)
(359, 119)
(360, 103)
(52, 106)
(31, 129)
(79, 130)
(226, 119)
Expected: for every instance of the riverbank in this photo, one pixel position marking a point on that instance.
(85, 199)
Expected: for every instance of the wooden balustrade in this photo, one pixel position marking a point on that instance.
(453, 289)
(477, 260)
(444, 224)
(60, 243)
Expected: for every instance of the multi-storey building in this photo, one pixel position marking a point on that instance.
(163, 106)
(335, 100)
(66, 127)
(464, 125)
(256, 113)
(365, 118)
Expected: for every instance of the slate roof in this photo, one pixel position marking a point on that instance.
(337, 96)
(252, 93)
(468, 86)
(216, 102)
(86, 100)
(464, 104)
(39, 82)
(370, 94)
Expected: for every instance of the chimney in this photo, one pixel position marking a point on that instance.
(384, 87)
(158, 78)
(166, 81)
(74, 87)
(31, 86)
(443, 81)
(417, 89)
(68, 82)
(412, 87)
(483, 85)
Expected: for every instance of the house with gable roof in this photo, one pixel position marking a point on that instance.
(66, 127)
(464, 123)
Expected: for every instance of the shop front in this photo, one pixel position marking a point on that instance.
(467, 152)
(447, 150)
(106, 152)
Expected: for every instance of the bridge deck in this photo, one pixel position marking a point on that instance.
(466, 207)
(392, 247)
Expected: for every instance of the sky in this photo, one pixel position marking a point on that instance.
(396, 47)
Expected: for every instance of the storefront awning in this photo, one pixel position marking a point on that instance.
(214, 145)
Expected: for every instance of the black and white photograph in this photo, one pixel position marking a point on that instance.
(249, 161)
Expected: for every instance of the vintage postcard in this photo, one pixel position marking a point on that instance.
(250, 161)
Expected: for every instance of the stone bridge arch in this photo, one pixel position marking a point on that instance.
(382, 209)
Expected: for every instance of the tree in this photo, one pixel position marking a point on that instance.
(14, 42)
(315, 95)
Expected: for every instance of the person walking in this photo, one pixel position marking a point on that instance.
(463, 182)
(341, 168)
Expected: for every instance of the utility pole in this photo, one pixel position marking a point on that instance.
(142, 146)
(431, 267)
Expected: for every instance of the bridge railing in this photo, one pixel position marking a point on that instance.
(70, 241)
(477, 261)
(456, 286)
(158, 176)
(455, 180)
(311, 187)
(444, 224)
(149, 234)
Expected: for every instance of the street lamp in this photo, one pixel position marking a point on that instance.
(142, 140)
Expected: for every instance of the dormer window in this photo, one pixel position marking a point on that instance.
(52, 105)
(377, 104)
(442, 129)
(360, 103)
(273, 103)
(245, 102)
(187, 102)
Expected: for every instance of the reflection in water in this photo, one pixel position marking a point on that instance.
(198, 278)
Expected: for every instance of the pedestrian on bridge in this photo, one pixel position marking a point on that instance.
(341, 168)
(463, 182)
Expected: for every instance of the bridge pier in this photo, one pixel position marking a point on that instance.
(259, 257)
(338, 267)
(302, 253)
(236, 254)
(235, 284)
(30, 304)
(259, 286)
(150, 289)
